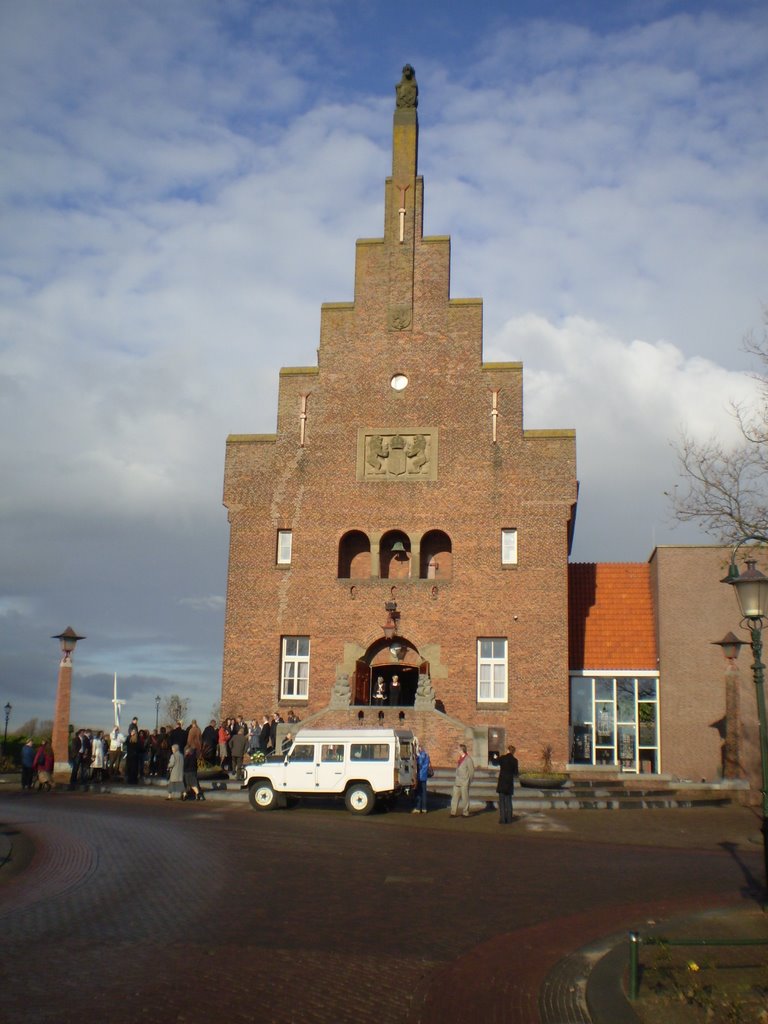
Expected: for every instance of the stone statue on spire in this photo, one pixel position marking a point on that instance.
(406, 90)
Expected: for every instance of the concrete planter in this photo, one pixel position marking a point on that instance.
(543, 780)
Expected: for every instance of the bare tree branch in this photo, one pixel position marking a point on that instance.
(726, 489)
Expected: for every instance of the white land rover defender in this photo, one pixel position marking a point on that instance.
(361, 765)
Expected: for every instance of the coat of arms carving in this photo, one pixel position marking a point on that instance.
(397, 454)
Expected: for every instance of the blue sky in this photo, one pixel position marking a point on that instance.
(182, 185)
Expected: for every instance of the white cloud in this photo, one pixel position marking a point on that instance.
(12, 605)
(628, 401)
(213, 602)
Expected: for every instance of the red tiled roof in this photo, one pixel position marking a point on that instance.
(610, 616)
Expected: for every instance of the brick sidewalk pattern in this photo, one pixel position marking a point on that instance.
(156, 909)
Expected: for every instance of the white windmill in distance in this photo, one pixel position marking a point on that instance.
(117, 704)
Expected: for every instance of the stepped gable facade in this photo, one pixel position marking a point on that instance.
(399, 546)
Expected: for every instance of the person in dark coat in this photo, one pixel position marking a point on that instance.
(505, 787)
(192, 788)
(27, 764)
(178, 735)
(210, 742)
(395, 690)
(273, 724)
(134, 757)
(264, 735)
(80, 759)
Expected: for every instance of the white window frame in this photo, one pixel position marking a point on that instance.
(637, 677)
(492, 671)
(294, 668)
(509, 546)
(284, 547)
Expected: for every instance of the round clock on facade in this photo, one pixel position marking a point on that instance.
(399, 382)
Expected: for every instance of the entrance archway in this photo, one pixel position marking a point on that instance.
(384, 662)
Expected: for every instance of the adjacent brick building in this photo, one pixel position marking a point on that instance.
(650, 689)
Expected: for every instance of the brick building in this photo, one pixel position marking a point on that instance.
(650, 690)
(402, 525)
(399, 548)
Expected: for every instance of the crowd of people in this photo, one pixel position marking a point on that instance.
(175, 753)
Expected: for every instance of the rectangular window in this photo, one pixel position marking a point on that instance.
(304, 752)
(369, 751)
(295, 667)
(284, 546)
(491, 669)
(332, 752)
(509, 547)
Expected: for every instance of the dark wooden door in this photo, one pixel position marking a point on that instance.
(362, 688)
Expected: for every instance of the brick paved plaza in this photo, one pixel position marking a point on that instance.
(143, 910)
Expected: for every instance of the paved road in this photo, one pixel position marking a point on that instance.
(142, 910)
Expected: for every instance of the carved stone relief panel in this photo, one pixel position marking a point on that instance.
(385, 453)
(399, 317)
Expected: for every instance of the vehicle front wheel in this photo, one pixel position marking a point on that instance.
(359, 798)
(262, 796)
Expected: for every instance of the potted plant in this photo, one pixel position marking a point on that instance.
(545, 777)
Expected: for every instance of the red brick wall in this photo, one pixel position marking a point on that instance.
(693, 610)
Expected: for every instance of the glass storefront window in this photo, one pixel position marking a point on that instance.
(626, 745)
(625, 696)
(581, 701)
(581, 720)
(604, 721)
(646, 713)
(646, 689)
(603, 689)
(614, 721)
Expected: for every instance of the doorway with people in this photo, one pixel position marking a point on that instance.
(388, 676)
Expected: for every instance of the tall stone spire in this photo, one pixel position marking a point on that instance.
(404, 200)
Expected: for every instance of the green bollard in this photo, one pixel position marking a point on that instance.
(634, 964)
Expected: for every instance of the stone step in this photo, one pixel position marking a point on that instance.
(596, 794)
(538, 800)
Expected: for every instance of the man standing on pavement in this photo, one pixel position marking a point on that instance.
(80, 758)
(465, 771)
(210, 740)
(505, 787)
(27, 764)
(178, 735)
(264, 734)
(237, 746)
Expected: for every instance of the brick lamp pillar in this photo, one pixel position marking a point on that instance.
(730, 645)
(60, 738)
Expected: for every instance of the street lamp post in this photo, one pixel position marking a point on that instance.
(751, 589)
(157, 711)
(8, 708)
(60, 738)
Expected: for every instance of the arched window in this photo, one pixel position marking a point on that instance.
(395, 556)
(354, 556)
(436, 556)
